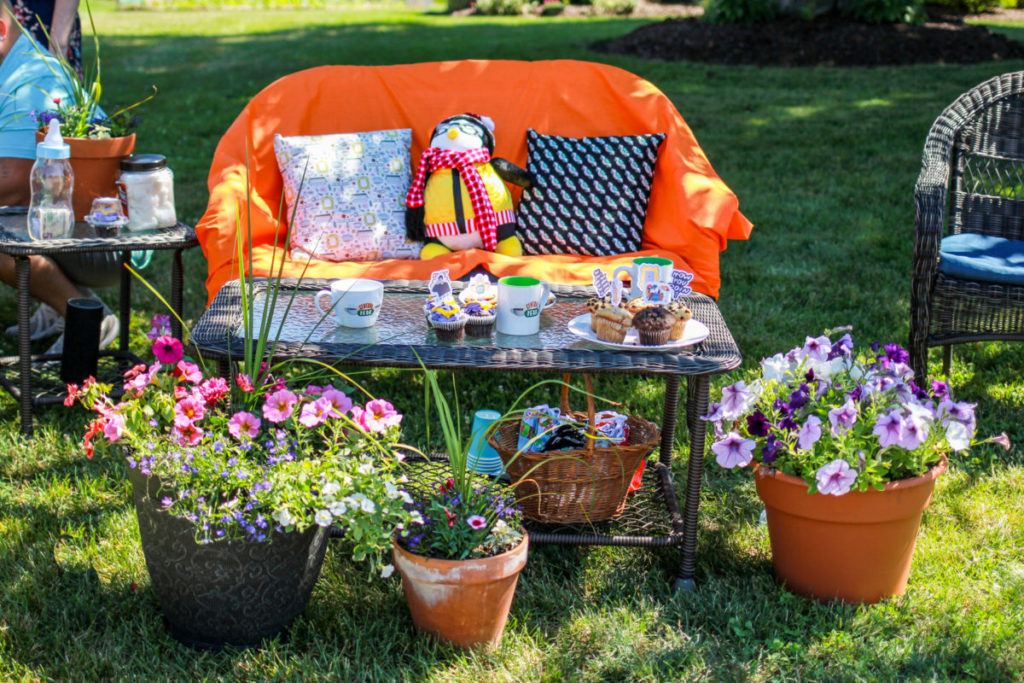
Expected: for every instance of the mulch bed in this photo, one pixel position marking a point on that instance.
(824, 41)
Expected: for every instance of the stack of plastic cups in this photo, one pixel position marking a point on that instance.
(482, 458)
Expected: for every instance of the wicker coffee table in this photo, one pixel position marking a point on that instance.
(400, 338)
(37, 383)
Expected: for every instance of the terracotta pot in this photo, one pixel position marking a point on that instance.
(96, 164)
(856, 547)
(462, 602)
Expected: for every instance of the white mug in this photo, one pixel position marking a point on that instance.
(520, 301)
(644, 271)
(354, 302)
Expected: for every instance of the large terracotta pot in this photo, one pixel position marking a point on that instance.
(463, 602)
(220, 594)
(96, 164)
(856, 547)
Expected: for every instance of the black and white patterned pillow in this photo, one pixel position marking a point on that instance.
(589, 195)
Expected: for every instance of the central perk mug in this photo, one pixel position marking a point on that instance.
(644, 271)
(520, 301)
(353, 301)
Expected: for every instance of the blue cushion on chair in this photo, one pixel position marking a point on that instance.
(970, 256)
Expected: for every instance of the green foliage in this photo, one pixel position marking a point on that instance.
(974, 6)
(614, 7)
(499, 7)
(740, 11)
(457, 5)
(886, 11)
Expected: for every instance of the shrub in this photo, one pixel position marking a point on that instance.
(740, 11)
(456, 5)
(974, 6)
(886, 11)
(506, 7)
(616, 7)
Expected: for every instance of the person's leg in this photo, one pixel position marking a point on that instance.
(47, 282)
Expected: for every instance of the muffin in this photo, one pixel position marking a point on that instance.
(611, 324)
(637, 304)
(677, 308)
(653, 325)
(448, 320)
(480, 318)
(594, 305)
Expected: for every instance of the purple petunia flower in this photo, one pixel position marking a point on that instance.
(809, 433)
(770, 450)
(800, 397)
(897, 353)
(817, 348)
(843, 417)
(735, 399)
(835, 478)
(889, 429)
(733, 451)
(940, 390)
(757, 424)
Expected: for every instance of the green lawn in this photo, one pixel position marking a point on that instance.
(824, 162)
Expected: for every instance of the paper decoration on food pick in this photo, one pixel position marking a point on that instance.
(658, 293)
(441, 285)
(601, 283)
(478, 286)
(616, 293)
(648, 274)
(680, 283)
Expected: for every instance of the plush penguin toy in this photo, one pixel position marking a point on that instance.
(458, 198)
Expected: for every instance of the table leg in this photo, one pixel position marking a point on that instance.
(125, 301)
(697, 391)
(668, 419)
(177, 284)
(22, 270)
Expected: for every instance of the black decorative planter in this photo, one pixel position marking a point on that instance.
(224, 593)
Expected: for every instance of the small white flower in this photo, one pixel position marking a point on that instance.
(774, 369)
(417, 518)
(331, 488)
(387, 571)
(338, 508)
(365, 468)
(283, 517)
(361, 501)
(406, 498)
(323, 518)
(391, 489)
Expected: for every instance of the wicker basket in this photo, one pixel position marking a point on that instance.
(583, 485)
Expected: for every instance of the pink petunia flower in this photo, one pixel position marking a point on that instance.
(835, 478)
(168, 350)
(188, 410)
(189, 372)
(113, 428)
(244, 383)
(340, 402)
(136, 385)
(315, 412)
(476, 521)
(187, 435)
(810, 433)
(279, 406)
(244, 425)
(213, 390)
(378, 416)
(733, 451)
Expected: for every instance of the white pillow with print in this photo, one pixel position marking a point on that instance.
(351, 194)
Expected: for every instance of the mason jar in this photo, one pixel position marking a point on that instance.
(146, 190)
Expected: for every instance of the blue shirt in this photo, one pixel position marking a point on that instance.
(30, 78)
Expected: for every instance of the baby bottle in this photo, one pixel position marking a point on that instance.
(50, 215)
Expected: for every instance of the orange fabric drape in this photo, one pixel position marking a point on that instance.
(690, 217)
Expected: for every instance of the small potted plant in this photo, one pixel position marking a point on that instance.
(461, 555)
(235, 494)
(98, 140)
(846, 449)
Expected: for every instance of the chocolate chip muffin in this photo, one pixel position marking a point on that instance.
(677, 308)
(653, 325)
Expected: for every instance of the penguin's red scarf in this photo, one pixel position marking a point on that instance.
(486, 221)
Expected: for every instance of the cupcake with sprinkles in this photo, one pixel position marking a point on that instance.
(447, 319)
(480, 317)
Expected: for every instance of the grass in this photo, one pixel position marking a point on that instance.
(824, 162)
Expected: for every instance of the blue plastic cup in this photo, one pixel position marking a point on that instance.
(482, 458)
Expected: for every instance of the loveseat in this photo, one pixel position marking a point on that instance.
(690, 216)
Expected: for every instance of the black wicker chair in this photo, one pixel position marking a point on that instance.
(972, 181)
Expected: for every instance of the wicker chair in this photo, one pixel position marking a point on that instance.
(971, 184)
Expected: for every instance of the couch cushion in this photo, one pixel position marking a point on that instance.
(589, 195)
(984, 258)
(345, 194)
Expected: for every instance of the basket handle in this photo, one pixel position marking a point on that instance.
(589, 383)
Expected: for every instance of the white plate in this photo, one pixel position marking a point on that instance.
(549, 304)
(695, 333)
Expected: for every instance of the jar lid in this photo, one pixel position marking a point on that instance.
(143, 162)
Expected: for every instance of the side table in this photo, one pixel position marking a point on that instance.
(401, 339)
(15, 242)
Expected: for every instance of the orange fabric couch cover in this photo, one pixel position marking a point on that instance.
(690, 216)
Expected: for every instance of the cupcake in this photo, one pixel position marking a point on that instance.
(594, 305)
(653, 325)
(611, 324)
(677, 308)
(448, 320)
(480, 318)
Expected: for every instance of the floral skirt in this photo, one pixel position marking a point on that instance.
(33, 15)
